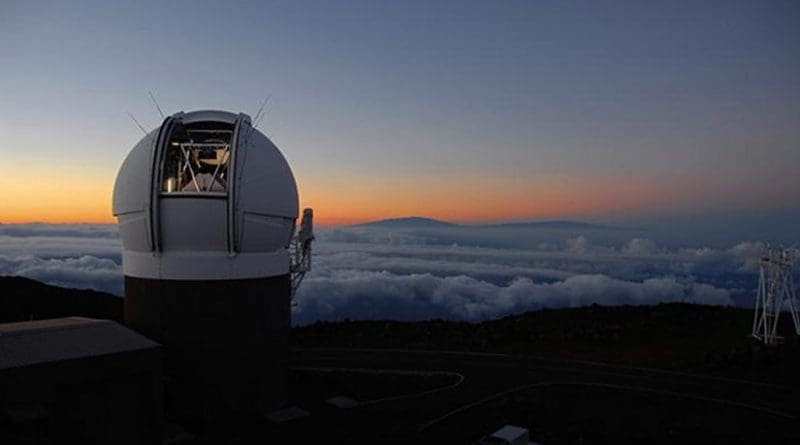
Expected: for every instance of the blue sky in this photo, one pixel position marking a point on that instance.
(677, 122)
(590, 109)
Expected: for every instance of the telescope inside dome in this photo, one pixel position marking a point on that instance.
(196, 158)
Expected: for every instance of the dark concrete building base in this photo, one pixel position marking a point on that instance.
(224, 342)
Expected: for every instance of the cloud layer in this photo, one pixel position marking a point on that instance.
(359, 294)
(85, 272)
(411, 275)
(85, 256)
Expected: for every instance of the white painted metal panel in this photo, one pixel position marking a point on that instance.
(264, 233)
(132, 187)
(205, 265)
(265, 184)
(134, 231)
(193, 224)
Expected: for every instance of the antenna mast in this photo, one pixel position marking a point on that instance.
(140, 126)
(153, 98)
(775, 294)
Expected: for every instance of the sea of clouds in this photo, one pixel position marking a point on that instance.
(464, 273)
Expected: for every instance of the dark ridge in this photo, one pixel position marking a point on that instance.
(710, 340)
(24, 299)
(555, 225)
(677, 336)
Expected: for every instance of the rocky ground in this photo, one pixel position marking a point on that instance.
(670, 373)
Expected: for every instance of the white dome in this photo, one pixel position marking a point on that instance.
(205, 196)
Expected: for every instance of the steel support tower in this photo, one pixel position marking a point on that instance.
(776, 293)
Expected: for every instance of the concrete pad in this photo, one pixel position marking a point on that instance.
(342, 402)
(175, 434)
(286, 414)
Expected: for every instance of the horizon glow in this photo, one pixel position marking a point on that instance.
(466, 112)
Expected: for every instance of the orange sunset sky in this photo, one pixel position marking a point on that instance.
(467, 114)
(74, 194)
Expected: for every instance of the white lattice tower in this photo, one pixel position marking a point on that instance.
(776, 293)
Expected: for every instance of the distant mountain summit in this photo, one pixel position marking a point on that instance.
(411, 222)
(419, 222)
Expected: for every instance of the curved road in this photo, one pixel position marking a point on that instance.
(484, 387)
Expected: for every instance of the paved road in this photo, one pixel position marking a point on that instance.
(483, 388)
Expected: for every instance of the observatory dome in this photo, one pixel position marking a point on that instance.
(205, 197)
